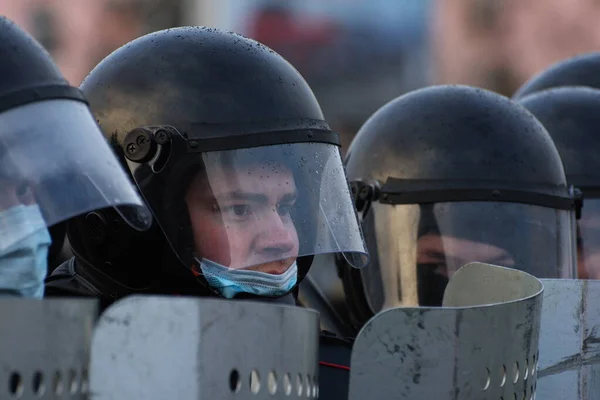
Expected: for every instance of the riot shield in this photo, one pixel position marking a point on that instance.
(183, 348)
(44, 347)
(482, 344)
(569, 366)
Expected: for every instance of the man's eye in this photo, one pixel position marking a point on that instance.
(435, 268)
(239, 210)
(441, 269)
(284, 209)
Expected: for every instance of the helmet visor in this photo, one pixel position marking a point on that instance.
(259, 208)
(416, 248)
(53, 155)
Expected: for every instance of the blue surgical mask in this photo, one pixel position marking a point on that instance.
(24, 262)
(230, 282)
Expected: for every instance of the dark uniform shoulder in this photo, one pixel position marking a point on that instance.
(65, 281)
(334, 366)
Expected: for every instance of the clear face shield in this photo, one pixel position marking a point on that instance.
(55, 161)
(258, 208)
(416, 248)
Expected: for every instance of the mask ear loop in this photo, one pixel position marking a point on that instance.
(195, 268)
(197, 272)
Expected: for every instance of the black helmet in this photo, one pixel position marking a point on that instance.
(228, 145)
(50, 146)
(581, 70)
(448, 175)
(570, 114)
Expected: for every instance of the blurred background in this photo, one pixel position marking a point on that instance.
(356, 54)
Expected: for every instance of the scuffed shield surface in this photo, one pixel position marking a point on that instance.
(157, 348)
(570, 340)
(483, 344)
(44, 348)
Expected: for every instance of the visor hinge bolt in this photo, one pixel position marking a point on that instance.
(193, 143)
(139, 145)
(161, 136)
(140, 140)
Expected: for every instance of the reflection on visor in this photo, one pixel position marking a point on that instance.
(419, 247)
(262, 208)
(56, 153)
(588, 240)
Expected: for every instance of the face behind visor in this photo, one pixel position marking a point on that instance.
(231, 152)
(54, 165)
(570, 114)
(449, 175)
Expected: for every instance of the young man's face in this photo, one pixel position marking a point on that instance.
(449, 253)
(241, 219)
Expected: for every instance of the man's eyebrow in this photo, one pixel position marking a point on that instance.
(506, 256)
(254, 197)
(439, 256)
(239, 195)
(450, 259)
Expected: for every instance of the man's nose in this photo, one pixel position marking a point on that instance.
(277, 235)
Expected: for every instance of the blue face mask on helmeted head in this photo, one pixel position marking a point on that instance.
(230, 282)
(24, 262)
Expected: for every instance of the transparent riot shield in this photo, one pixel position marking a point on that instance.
(157, 348)
(44, 348)
(569, 366)
(483, 344)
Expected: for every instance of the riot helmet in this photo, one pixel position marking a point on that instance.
(570, 115)
(54, 163)
(228, 146)
(448, 175)
(581, 70)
